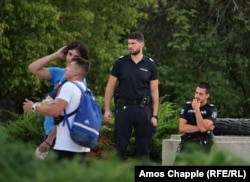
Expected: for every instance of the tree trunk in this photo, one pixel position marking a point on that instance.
(232, 126)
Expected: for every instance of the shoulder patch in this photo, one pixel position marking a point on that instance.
(121, 56)
(211, 104)
(188, 102)
(151, 59)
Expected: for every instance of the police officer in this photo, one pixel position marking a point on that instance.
(137, 98)
(197, 119)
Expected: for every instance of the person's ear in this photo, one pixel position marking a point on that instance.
(142, 44)
(208, 96)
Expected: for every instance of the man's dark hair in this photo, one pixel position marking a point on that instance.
(83, 65)
(80, 46)
(205, 85)
(137, 36)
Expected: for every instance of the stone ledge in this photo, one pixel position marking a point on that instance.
(220, 137)
(238, 145)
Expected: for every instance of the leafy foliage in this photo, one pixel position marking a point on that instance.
(17, 162)
(191, 41)
(25, 37)
(27, 128)
(202, 41)
(32, 29)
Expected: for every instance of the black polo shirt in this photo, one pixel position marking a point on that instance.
(134, 79)
(208, 111)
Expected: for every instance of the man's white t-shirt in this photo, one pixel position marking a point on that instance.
(71, 94)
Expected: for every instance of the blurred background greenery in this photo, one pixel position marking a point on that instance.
(18, 164)
(190, 41)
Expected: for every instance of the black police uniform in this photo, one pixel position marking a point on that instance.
(208, 111)
(133, 104)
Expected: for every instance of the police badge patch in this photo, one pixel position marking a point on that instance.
(214, 115)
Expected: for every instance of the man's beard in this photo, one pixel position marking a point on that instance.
(135, 53)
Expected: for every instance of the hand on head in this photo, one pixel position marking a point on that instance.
(61, 53)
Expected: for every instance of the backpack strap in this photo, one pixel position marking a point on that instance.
(54, 92)
(78, 86)
(65, 116)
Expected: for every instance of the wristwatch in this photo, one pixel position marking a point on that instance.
(155, 116)
(33, 107)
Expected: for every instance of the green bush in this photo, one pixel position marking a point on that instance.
(27, 127)
(18, 164)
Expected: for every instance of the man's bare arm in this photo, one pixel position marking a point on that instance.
(109, 92)
(187, 128)
(155, 99)
(38, 67)
(53, 110)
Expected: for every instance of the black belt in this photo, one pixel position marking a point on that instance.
(187, 137)
(128, 102)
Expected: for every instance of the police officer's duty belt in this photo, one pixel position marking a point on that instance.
(129, 102)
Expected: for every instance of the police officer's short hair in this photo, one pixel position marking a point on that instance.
(137, 36)
(205, 85)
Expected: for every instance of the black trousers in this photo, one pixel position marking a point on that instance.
(61, 154)
(129, 117)
(190, 146)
